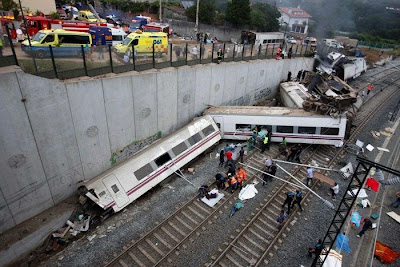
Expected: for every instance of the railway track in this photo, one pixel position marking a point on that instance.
(255, 243)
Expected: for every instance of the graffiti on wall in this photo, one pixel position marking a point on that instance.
(241, 101)
(132, 148)
(263, 93)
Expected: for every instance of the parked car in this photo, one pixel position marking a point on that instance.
(114, 20)
(310, 41)
(333, 43)
(290, 40)
(61, 12)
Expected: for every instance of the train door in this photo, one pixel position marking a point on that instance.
(117, 192)
(219, 120)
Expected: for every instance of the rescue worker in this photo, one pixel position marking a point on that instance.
(278, 53)
(298, 199)
(241, 154)
(369, 88)
(310, 175)
(241, 176)
(250, 144)
(288, 200)
(219, 55)
(233, 182)
(229, 158)
(220, 179)
(231, 169)
(265, 144)
(316, 250)
(268, 175)
(221, 158)
(281, 219)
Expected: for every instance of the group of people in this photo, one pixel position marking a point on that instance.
(281, 53)
(233, 180)
(293, 198)
(270, 170)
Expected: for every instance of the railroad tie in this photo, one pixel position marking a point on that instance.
(136, 259)
(170, 235)
(155, 247)
(184, 223)
(176, 228)
(161, 240)
(144, 252)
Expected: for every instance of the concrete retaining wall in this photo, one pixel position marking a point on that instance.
(55, 134)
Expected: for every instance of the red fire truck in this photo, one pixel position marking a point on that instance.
(7, 17)
(38, 23)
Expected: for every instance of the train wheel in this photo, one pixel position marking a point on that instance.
(323, 109)
(307, 106)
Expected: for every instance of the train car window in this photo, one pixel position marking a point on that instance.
(115, 188)
(161, 160)
(179, 148)
(194, 139)
(143, 172)
(243, 127)
(329, 131)
(208, 130)
(307, 130)
(219, 125)
(266, 127)
(284, 129)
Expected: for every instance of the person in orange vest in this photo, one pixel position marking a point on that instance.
(233, 182)
(369, 88)
(241, 176)
(278, 53)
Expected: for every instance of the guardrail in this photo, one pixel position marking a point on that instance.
(53, 62)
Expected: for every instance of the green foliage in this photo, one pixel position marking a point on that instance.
(206, 12)
(38, 12)
(264, 17)
(238, 12)
(54, 15)
(8, 5)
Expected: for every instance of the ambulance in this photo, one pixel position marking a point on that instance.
(143, 42)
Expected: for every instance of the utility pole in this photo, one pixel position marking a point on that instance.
(196, 27)
(160, 15)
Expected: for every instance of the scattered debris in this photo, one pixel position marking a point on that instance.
(374, 135)
(370, 147)
(390, 130)
(385, 133)
(191, 170)
(383, 149)
(394, 215)
(90, 238)
(385, 253)
(247, 192)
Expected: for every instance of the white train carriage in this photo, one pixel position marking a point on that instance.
(296, 125)
(125, 182)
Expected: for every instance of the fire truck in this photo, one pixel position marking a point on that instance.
(7, 17)
(37, 23)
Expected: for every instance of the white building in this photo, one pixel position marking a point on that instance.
(296, 19)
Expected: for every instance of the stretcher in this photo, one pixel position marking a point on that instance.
(324, 178)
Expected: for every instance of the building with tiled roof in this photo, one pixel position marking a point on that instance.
(296, 19)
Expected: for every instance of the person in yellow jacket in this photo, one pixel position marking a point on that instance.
(265, 144)
(1, 47)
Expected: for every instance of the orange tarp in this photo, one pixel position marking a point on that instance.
(385, 253)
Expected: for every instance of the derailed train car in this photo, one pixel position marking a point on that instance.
(128, 180)
(296, 125)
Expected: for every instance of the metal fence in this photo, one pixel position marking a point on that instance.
(99, 60)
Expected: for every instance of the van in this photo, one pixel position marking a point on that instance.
(63, 43)
(86, 15)
(311, 41)
(332, 43)
(143, 42)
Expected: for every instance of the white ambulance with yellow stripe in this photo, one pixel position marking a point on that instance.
(143, 42)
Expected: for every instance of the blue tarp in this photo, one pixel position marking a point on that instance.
(342, 242)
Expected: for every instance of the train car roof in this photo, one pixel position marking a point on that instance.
(260, 111)
(154, 146)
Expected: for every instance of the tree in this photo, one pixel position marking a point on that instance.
(8, 5)
(206, 12)
(264, 17)
(238, 12)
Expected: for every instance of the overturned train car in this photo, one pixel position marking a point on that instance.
(128, 180)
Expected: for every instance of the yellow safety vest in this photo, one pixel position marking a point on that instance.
(266, 140)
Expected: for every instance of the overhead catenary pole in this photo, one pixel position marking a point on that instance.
(196, 27)
(160, 15)
(283, 180)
